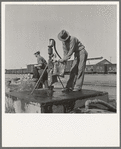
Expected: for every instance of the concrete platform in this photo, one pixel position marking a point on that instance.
(56, 102)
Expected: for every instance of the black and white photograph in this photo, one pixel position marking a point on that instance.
(60, 66)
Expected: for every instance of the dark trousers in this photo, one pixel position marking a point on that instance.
(44, 80)
(77, 70)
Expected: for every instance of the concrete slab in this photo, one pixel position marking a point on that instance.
(56, 102)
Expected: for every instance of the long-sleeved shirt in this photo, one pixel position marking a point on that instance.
(71, 46)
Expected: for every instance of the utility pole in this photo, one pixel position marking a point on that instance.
(110, 58)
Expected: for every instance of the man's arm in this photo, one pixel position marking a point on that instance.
(71, 50)
(38, 65)
(44, 61)
(40, 62)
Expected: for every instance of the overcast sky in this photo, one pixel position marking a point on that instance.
(29, 27)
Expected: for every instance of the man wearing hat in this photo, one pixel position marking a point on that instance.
(73, 45)
(38, 69)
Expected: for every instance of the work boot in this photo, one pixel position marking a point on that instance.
(66, 90)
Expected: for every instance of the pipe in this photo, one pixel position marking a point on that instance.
(55, 48)
(95, 58)
(54, 45)
(98, 101)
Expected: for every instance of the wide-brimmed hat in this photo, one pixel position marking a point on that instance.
(38, 52)
(63, 35)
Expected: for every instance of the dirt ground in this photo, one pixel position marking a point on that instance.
(99, 82)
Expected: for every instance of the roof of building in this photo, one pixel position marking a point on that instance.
(98, 62)
(105, 61)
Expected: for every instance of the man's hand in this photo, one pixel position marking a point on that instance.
(60, 60)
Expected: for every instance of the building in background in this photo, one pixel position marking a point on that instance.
(92, 67)
(100, 67)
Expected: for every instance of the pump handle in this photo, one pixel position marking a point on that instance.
(54, 45)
